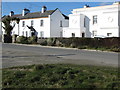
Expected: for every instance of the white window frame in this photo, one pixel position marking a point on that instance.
(41, 34)
(109, 34)
(73, 34)
(23, 23)
(26, 33)
(84, 22)
(61, 23)
(22, 33)
(95, 19)
(41, 23)
(94, 33)
(32, 22)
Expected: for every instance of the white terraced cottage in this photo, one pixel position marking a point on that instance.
(101, 21)
(43, 24)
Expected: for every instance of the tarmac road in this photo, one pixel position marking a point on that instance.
(18, 55)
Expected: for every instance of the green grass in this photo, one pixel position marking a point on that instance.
(60, 76)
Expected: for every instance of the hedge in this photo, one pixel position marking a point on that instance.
(112, 44)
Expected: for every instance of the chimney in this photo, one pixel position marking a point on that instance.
(116, 3)
(86, 6)
(25, 11)
(11, 13)
(44, 8)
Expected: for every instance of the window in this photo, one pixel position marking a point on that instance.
(41, 34)
(109, 34)
(73, 34)
(84, 22)
(22, 33)
(41, 22)
(94, 33)
(83, 34)
(95, 19)
(26, 34)
(61, 34)
(60, 23)
(23, 23)
(32, 23)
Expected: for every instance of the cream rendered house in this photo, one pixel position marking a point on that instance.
(101, 21)
(45, 24)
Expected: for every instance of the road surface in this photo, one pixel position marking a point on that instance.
(17, 55)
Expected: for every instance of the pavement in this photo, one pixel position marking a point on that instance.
(19, 55)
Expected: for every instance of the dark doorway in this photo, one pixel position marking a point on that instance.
(32, 33)
(83, 34)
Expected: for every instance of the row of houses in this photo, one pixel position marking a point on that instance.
(100, 21)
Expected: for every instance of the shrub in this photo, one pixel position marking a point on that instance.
(58, 43)
(22, 39)
(42, 42)
(51, 41)
(32, 40)
(7, 39)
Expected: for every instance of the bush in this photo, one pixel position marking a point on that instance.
(111, 44)
(22, 39)
(58, 43)
(7, 39)
(32, 40)
(42, 42)
(51, 41)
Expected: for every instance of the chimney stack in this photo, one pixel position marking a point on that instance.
(86, 6)
(44, 8)
(25, 11)
(11, 13)
(118, 2)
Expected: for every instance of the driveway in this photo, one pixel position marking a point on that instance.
(17, 55)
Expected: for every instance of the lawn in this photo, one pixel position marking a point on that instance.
(60, 76)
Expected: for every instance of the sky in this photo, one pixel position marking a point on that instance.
(65, 7)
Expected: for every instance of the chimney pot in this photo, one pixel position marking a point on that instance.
(25, 11)
(11, 13)
(44, 8)
(86, 6)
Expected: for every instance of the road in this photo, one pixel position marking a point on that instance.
(17, 55)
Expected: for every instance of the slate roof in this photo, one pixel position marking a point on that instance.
(37, 15)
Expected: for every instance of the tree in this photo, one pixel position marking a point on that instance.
(8, 27)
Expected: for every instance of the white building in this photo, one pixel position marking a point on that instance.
(101, 21)
(42, 24)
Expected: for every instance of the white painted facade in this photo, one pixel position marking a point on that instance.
(51, 25)
(101, 21)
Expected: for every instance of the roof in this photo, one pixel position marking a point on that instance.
(66, 17)
(37, 15)
(97, 7)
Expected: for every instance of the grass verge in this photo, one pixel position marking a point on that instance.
(60, 76)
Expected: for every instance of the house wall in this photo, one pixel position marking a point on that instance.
(107, 21)
(119, 20)
(51, 26)
(67, 32)
(55, 28)
(36, 25)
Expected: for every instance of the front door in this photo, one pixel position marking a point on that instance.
(83, 34)
(41, 34)
(32, 33)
